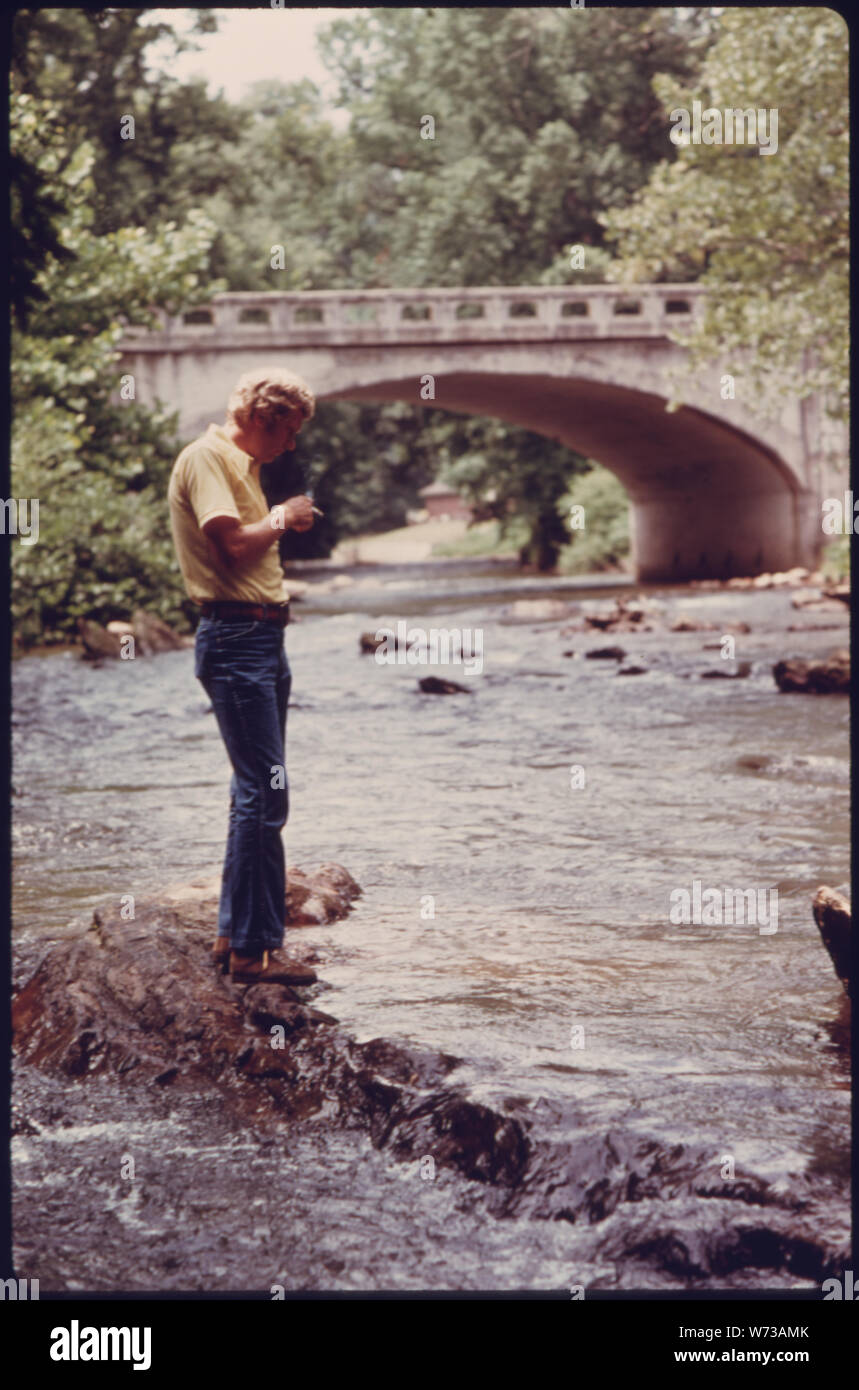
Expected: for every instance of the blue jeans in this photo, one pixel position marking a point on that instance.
(242, 666)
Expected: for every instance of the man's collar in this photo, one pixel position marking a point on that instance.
(244, 459)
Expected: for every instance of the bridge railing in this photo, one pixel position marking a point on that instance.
(493, 313)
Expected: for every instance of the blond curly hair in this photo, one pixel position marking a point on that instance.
(260, 396)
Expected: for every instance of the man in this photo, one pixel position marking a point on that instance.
(226, 542)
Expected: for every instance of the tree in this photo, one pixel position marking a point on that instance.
(767, 234)
(536, 120)
(541, 119)
(92, 66)
(97, 463)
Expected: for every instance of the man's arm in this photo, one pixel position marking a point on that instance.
(240, 545)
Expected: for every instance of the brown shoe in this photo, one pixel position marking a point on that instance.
(221, 954)
(263, 970)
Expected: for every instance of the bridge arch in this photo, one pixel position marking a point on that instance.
(711, 493)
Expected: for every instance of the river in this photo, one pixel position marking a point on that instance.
(510, 915)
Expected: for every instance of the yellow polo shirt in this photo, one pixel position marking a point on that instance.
(212, 477)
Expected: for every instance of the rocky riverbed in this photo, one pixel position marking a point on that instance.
(132, 1017)
(633, 1104)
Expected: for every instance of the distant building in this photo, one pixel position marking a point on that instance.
(443, 501)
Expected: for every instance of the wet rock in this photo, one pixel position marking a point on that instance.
(730, 671)
(781, 578)
(606, 653)
(815, 627)
(325, 895)
(152, 634)
(433, 685)
(841, 592)
(833, 917)
(626, 615)
(97, 641)
(687, 624)
(139, 1000)
(814, 601)
(828, 677)
(368, 642)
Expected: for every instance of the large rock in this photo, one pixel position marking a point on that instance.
(841, 592)
(832, 915)
(434, 685)
(606, 654)
(369, 642)
(685, 623)
(97, 641)
(816, 601)
(141, 1000)
(626, 615)
(151, 634)
(315, 898)
(828, 677)
(736, 671)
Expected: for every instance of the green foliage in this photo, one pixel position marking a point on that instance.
(768, 234)
(835, 564)
(603, 543)
(93, 67)
(486, 538)
(543, 119)
(365, 464)
(98, 464)
(509, 473)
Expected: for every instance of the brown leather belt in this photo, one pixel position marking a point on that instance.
(257, 612)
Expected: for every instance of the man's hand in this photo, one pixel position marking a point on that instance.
(297, 513)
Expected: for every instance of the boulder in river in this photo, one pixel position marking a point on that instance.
(841, 592)
(833, 918)
(816, 601)
(139, 1000)
(97, 641)
(828, 677)
(434, 685)
(369, 642)
(606, 654)
(323, 896)
(685, 623)
(152, 634)
(626, 615)
(730, 671)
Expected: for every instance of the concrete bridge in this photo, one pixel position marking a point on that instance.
(713, 490)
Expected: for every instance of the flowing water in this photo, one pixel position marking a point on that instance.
(510, 915)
